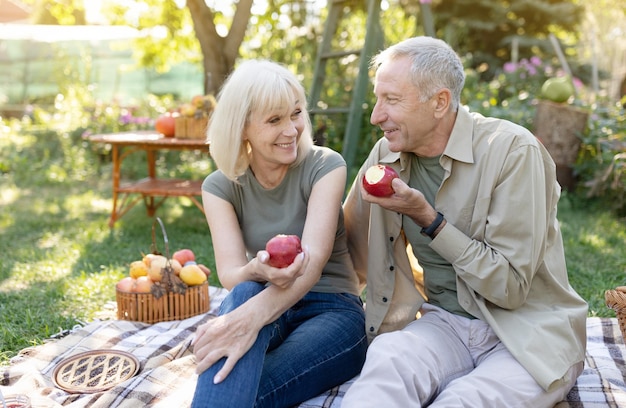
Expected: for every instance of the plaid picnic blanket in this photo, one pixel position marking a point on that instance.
(166, 377)
(601, 383)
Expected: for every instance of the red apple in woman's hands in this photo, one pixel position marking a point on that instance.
(283, 249)
(377, 180)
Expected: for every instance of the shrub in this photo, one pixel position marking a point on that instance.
(513, 94)
(601, 165)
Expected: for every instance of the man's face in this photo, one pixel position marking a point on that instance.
(406, 122)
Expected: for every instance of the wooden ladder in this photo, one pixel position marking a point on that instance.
(372, 41)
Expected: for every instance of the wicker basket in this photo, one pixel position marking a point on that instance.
(148, 308)
(191, 128)
(616, 300)
(145, 307)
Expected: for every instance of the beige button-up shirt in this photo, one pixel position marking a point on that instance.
(499, 195)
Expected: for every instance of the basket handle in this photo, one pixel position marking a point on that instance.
(153, 247)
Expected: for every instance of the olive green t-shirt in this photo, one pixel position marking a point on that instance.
(264, 213)
(439, 276)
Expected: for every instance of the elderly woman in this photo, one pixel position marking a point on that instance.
(283, 335)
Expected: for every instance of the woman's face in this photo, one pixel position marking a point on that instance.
(274, 134)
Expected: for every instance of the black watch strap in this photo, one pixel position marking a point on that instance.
(430, 230)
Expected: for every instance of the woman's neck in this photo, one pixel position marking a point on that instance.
(269, 176)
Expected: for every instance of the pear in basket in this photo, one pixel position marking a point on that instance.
(169, 282)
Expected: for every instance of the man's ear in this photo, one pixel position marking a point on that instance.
(442, 101)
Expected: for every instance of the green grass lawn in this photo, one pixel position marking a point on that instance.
(60, 260)
(595, 250)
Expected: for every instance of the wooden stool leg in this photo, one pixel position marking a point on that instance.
(116, 183)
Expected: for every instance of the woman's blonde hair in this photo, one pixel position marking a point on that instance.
(255, 86)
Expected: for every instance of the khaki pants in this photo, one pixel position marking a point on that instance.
(444, 360)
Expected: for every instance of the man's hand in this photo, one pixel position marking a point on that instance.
(405, 200)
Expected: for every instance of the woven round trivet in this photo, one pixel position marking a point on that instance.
(94, 371)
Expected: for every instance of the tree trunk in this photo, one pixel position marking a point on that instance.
(558, 127)
(219, 53)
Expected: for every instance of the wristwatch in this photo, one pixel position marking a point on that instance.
(430, 230)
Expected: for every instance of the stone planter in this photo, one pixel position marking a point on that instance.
(559, 126)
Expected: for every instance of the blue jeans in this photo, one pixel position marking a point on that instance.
(317, 344)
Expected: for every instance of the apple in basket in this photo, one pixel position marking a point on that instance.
(143, 284)
(377, 180)
(283, 249)
(126, 284)
(205, 269)
(184, 255)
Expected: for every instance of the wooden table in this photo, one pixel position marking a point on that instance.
(152, 190)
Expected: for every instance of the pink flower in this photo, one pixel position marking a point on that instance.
(577, 82)
(509, 67)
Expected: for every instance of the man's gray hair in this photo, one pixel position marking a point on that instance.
(434, 66)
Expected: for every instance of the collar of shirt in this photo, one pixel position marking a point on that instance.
(459, 146)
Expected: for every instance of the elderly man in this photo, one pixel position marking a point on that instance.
(475, 202)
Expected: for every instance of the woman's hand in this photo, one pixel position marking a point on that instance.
(230, 335)
(281, 277)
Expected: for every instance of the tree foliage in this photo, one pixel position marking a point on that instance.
(486, 29)
(216, 33)
(284, 31)
(188, 33)
(61, 12)
(168, 35)
(288, 32)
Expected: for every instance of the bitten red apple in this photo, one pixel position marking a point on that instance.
(283, 249)
(377, 180)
